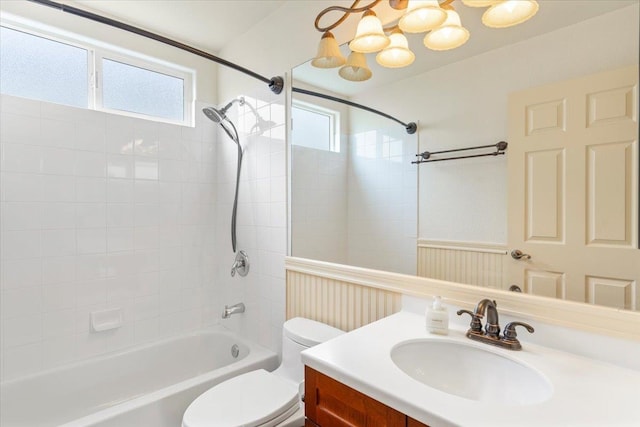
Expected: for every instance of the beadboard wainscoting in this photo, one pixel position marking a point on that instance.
(343, 304)
(473, 263)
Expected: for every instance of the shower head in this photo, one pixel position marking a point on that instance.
(217, 115)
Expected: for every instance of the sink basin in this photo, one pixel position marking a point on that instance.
(470, 372)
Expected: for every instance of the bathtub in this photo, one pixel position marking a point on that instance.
(150, 385)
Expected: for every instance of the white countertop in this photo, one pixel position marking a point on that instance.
(586, 392)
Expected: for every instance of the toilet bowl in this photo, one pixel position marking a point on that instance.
(260, 398)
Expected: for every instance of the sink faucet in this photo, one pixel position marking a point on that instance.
(491, 333)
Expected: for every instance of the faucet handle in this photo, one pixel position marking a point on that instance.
(476, 325)
(510, 330)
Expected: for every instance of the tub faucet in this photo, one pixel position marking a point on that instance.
(233, 309)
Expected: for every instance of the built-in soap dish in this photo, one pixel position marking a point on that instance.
(104, 320)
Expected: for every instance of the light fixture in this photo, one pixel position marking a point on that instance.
(370, 36)
(356, 69)
(421, 16)
(436, 17)
(329, 55)
(509, 13)
(397, 54)
(450, 35)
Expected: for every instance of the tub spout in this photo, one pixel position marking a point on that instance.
(233, 309)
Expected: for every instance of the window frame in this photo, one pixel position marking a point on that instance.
(97, 51)
(334, 121)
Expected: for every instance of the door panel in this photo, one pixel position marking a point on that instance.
(573, 189)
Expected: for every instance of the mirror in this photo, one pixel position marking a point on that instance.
(368, 206)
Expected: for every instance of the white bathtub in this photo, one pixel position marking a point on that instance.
(146, 386)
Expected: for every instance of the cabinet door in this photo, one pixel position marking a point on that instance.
(330, 403)
(414, 423)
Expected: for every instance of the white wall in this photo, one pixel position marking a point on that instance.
(465, 104)
(101, 211)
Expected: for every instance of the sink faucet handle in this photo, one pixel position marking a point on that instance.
(476, 325)
(510, 330)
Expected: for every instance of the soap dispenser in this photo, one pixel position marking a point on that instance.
(437, 318)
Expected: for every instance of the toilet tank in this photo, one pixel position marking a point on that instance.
(299, 334)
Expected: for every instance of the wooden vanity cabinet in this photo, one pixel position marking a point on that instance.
(329, 403)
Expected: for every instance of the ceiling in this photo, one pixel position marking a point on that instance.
(205, 24)
(212, 24)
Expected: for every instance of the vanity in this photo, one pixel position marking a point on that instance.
(393, 373)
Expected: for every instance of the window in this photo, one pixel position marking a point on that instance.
(39, 68)
(83, 75)
(315, 127)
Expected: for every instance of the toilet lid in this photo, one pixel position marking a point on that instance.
(249, 400)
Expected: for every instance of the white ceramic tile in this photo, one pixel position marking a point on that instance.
(146, 237)
(59, 350)
(21, 215)
(170, 192)
(145, 307)
(58, 133)
(21, 187)
(21, 158)
(21, 244)
(21, 301)
(119, 135)
(91, 164)
(120, 338)
(146, 215)
(58, 242)
(58, 161)
(120, 215)
(146, 137)
(92, 267)
(21, 330)
(146, 168)
(91, 215)
(58, 215)
(91, 134)
(146, 261)
(121, 264)
(146, 330)
(169, 146)
(90, 344)
(19, 129)
(21, 360)
(119, 166)
(146, 191)
(18, 105)
(119, 239)
(58, 297)
(59, 322)
(58, 188)
(121, 288)
(58, 269)
(91, 240)
(171, 170)
(120, 190)
(21, 273)
(91, 190)
(91, 293)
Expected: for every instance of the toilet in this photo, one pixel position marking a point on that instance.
(261, 398)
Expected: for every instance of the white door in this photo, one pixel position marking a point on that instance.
(573, 189)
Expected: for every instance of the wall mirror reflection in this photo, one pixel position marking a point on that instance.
(562, 89)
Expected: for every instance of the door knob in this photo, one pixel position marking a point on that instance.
(518, 254)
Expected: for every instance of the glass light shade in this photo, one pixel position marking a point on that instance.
(479, 3)
(329, 55)
(356, 69)
(397, 54)
(449, 35)
(509, 13)
(421, 16)
(370, 36)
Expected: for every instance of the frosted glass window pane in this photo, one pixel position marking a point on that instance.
(38, 68)
(311, 129)
(138, 90)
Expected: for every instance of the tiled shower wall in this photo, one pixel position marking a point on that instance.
(383, 204)
(262, 214)
(101, 211)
